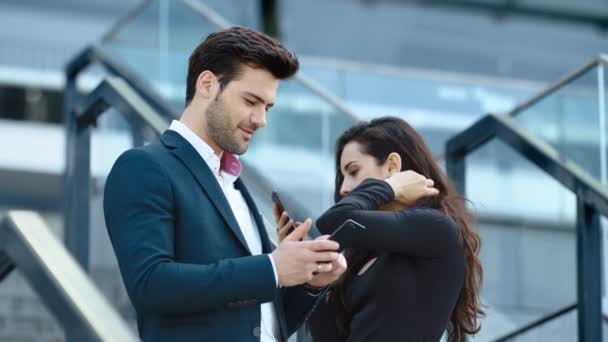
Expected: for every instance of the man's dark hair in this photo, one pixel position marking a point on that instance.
(225, 52)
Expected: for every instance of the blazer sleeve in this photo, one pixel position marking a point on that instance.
(298, 306)
(417, 231)
(138, 209)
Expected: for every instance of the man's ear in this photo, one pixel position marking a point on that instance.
(207, 85)
(393, 162)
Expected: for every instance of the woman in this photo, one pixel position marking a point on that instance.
(414, 271)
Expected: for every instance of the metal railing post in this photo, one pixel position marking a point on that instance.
(77, 182)
(589, 271)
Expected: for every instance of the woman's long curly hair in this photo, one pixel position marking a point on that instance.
(379, 138)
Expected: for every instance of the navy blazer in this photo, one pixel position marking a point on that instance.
(183, 259)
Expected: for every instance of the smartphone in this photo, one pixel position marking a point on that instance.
(344, 234)
(276, 199)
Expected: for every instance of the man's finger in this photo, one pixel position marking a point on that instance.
(325, 267)
(284, 229)
(283, 219)
(325, 257)
(322, 245)
(275, 212)
(300, 231)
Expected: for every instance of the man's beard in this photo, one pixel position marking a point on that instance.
(222, 130)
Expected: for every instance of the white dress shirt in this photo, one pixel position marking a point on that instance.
(269, 324)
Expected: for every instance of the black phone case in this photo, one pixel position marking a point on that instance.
(276, 199)
(343, 234)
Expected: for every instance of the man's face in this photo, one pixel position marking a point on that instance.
(240, 109)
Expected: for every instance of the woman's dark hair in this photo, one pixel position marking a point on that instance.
(379, 138)
(225, 52)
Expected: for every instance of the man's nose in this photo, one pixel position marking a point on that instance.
(258, 118)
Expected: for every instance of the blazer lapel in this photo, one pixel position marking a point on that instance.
(266, 243)
(181, 148)
(267, 246)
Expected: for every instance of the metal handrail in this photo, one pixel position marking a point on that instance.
(221, 23)
(116, 92)
(62, 285)
(125, 19)
(535, 150)
(600, 59)
(6, 265)
(536, 323)
(592, 200)
(94, 54)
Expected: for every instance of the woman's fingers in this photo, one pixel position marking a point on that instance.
(431, 191)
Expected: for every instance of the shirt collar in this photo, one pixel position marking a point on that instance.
(229, 166)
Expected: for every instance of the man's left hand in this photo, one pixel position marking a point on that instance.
(330, 272)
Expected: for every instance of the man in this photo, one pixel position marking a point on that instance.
(191, 245)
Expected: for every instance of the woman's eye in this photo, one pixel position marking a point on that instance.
(354, 173)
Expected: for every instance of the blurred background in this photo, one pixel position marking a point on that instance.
(439, 64)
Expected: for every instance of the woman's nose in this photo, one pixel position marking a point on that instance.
(344, 191)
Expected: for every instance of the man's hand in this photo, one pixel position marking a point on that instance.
(284, 225)
(296, 260)
(338, 267)
(410, 186)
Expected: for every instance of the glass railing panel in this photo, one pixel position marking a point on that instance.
(437, 104)
(528, 250)
(242, 13)
(160, 57)
(569, 120)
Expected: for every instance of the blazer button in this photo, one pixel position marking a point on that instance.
(257, 331)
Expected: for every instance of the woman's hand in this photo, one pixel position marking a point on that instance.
(410, 186)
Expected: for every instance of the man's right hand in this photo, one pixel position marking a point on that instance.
(296, 260)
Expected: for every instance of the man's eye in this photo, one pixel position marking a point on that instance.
(249, 102)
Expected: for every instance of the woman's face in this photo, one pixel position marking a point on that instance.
(357, 166)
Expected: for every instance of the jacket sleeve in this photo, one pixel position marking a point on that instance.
(298, 306)
(417, 231)
(139, 214)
